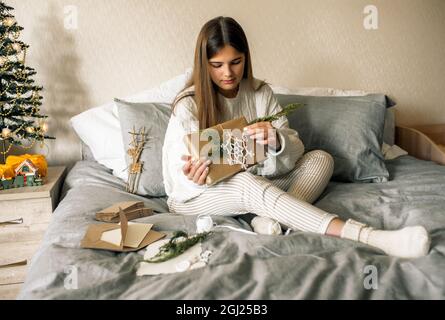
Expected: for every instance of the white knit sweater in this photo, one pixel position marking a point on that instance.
(248, 103)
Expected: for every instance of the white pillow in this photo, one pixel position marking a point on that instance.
(318, 91)
(99, 128)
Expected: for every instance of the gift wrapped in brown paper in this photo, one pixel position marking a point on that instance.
(229, 149)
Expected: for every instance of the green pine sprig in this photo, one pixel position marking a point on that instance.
(176, 247)
(286, 110)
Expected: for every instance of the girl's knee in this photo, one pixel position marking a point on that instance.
(321, 155)
(246, 179)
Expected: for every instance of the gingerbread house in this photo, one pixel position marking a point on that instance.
(27, 174)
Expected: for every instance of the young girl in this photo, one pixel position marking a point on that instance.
(284, 186)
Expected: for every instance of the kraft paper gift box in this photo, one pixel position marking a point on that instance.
(123, 237)
(255, 152)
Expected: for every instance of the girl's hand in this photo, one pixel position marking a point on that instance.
(196, 171)
(260, 132)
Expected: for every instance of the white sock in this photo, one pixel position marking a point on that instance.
(265, 225)
(409, 242)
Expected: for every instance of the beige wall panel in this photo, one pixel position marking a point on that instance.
(124, 46)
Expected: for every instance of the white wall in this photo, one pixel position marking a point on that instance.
(125, 46)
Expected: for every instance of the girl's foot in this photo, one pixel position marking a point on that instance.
(409, 242)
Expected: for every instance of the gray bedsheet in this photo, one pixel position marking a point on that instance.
(297, 266)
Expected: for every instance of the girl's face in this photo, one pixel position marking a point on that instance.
(226, 70)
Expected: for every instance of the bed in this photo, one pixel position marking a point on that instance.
(295, 266)
(299, 265)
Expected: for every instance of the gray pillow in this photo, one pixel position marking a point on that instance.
(348, 128)
(154, 117)
(389, 131)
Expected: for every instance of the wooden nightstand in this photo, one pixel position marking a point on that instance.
(19, 241)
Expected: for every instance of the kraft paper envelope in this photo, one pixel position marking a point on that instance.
(124, 206)
(130, 215)
(93, 236)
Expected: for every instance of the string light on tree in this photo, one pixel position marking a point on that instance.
(44, 127)
(8, 21)
(16, 46)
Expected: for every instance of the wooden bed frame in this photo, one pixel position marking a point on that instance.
(424, 142)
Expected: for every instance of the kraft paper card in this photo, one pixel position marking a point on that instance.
(253, 152)
(124, 237)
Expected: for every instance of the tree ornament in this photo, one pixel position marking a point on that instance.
(6, 132)
(9, 21)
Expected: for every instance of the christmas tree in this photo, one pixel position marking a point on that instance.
(21, 122)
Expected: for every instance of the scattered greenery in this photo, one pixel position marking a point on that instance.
(286, 110)
(178, 244)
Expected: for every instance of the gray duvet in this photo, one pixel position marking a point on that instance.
(297, 266)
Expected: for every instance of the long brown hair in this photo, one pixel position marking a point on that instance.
(214, 35)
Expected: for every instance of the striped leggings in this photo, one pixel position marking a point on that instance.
(287, 198)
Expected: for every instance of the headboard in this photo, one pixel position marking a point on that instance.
(423, 142)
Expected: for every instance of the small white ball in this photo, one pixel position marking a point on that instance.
(204, 224)
(183, 266)
(265, 225)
